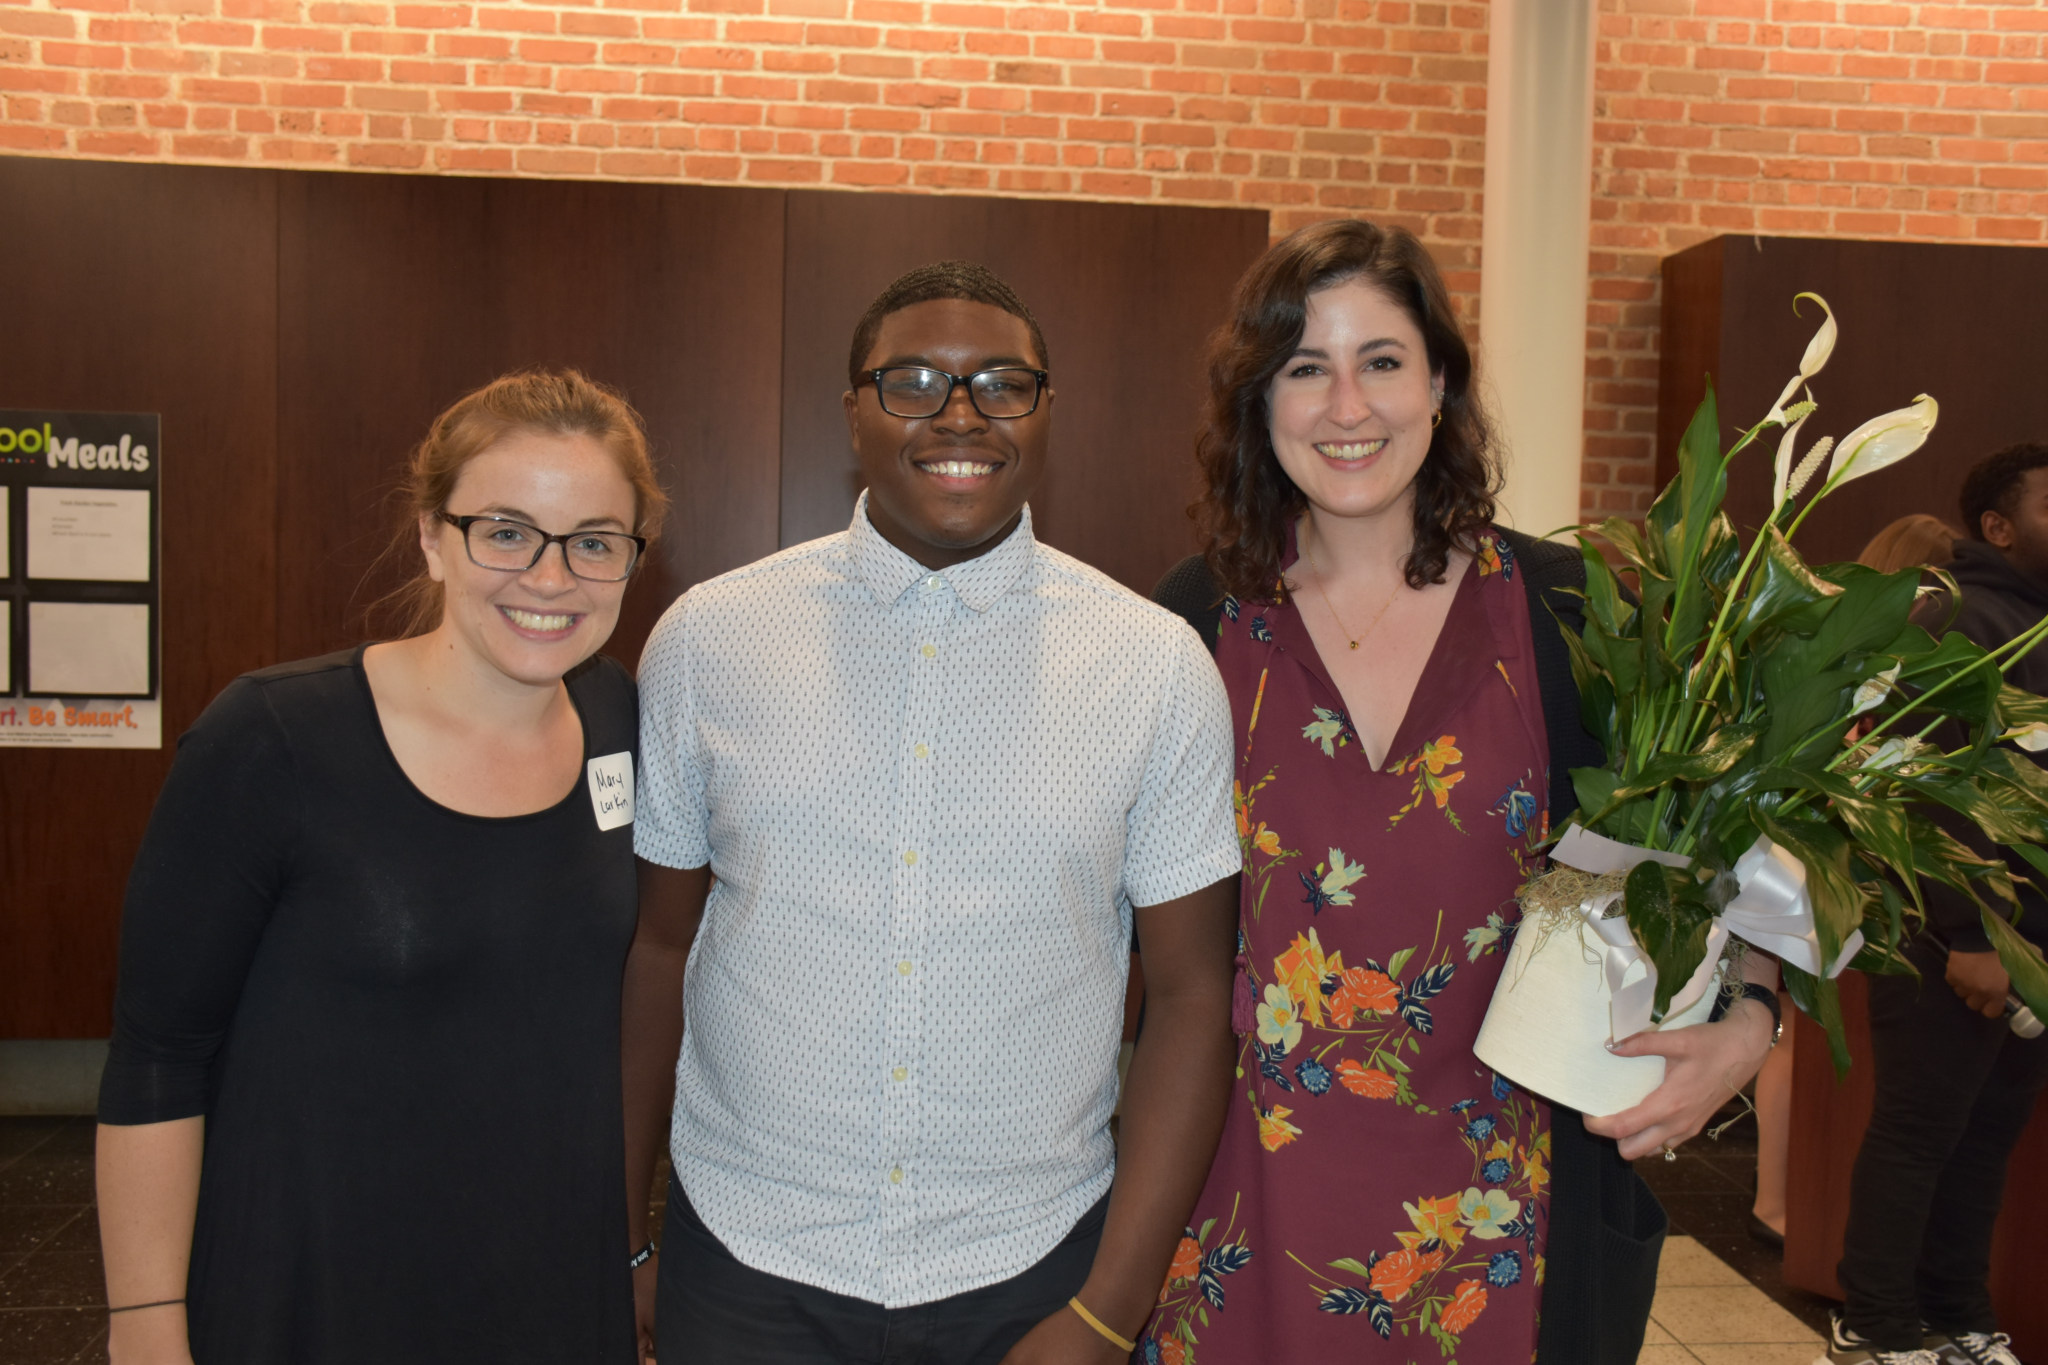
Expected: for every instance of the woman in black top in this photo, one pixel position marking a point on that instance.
(362, 1103)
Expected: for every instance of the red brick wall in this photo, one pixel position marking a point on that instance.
(1786, 116)
(1799, 118)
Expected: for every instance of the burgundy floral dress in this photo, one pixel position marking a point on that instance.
(1379, 1194)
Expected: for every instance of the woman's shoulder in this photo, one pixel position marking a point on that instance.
(304, 690)
(603, 681)
(609, 700)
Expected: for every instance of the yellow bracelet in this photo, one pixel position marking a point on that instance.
(1125, 1346)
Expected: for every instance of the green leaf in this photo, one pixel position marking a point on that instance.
(1670, 922)
(1822, 1003)
(1350, 1265)
(1883, 828)
(2033, 855)
(1870, 611)
(2021, 960)
(1945, 858)
(1604, 606)
(1398, 961)
(1724, 748)
(2017, 707)
(1594, 787)
(1783, 592)
(2006, 814)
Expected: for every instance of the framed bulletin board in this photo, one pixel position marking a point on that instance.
(79, 575)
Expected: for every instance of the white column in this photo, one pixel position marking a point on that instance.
(1537, 233)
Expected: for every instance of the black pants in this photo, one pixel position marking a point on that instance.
(713, 1310)
(1954, 1092)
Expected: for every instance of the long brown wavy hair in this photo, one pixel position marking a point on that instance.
(1248, 502)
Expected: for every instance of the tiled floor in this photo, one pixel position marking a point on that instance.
(1719, 1300)
(52, 1294)
(1708, 1192)
(1707, 1314)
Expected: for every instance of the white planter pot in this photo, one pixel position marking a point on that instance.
(1549, 1024)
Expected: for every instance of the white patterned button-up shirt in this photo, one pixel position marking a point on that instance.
(930, 799)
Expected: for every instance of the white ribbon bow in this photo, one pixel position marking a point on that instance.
(1771, 910)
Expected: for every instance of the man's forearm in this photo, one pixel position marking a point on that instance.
(1175, 1097)
(651, 1020)
(651, 1034)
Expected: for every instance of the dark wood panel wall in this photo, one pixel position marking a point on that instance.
(1962, 323)
(297, 330)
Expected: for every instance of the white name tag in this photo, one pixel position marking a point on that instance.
(611, 789)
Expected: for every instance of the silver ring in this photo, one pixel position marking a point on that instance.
(1669, 1155)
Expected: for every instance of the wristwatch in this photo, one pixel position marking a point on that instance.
(1763, 995)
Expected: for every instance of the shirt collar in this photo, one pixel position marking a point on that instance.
(978, 582)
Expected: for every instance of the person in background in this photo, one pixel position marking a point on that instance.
(1955, 1085)
(1913, 540)
(938, 769)
(362, 1101)
(1405, 720)
(1917, 540)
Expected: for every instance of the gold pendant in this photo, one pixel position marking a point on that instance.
(1354, 644)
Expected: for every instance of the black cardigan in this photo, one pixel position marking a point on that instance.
(1606, 1227)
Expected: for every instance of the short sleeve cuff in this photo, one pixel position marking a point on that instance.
(1186, 878)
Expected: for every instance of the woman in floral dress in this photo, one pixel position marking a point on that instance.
(1378, 1194)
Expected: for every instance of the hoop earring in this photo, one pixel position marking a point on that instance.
(1436, 419)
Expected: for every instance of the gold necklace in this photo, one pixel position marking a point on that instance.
(1310, 552)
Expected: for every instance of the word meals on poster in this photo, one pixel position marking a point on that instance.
(80, 580)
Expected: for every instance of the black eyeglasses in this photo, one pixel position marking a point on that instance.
(514, 547)
(919, 391)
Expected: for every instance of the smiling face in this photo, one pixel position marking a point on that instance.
(1351, 410)
(535, 626)
(945, 489)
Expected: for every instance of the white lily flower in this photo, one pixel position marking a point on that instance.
(1883, 441)
(1875, 690)
(2033, 737)
(1894, 753)
(1781, 469)
(1817, 352)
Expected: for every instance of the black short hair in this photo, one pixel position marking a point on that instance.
(939, 280)
(1993, 483)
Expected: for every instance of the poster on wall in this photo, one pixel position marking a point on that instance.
(80, 657)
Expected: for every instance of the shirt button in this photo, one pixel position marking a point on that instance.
(903, 968)
(920, 751)
(901, 1073)
(910, 856)
(932, 584)
(930, 651)
(896, 1176)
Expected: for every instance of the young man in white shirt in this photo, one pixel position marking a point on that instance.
(938, 770)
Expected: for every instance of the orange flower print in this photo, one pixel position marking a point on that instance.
(1252, 835)
(1489, 556)
(1435, 1220)
(1464, 1308)
(1428, 764)
(1173, 1351)
(1363, 989)
(1275, 1131)
(1438, 753)
(1395, 1274)
(1187, 1259)
(1367, 1081)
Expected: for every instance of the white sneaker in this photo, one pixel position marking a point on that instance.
(1981, 1348)
(1846, 1348)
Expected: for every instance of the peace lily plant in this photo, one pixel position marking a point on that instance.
(1748, 700)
